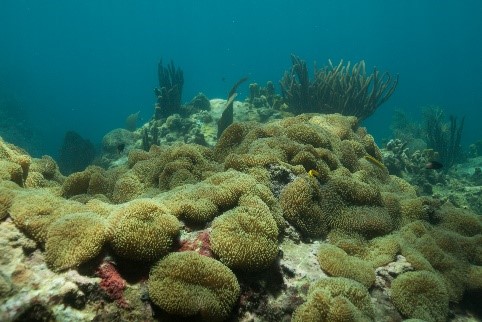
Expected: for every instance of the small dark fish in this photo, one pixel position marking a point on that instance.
(120, 147)
(434, 165)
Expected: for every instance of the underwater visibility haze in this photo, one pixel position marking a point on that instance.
(85, 66)
(240, 161)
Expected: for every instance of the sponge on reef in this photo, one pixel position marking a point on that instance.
(142, 230)
(246, 237)
(74, 239)
(190, 284)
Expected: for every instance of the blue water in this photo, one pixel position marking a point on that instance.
(86, 65)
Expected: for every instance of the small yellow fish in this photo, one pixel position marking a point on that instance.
(313, 173)
(374, 161)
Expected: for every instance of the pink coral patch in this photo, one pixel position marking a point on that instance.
(112, 283)
(200, 244)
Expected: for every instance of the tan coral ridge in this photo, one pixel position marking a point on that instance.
(368, 216)
(358, 201)
(157, 169)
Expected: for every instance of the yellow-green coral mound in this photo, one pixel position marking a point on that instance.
(421, 295)
(14, 163)
(246, 237)
(8, 190)
(189, 284)
(336, 262)
(203, 201)
(142, 230)
(308, 207)
(34, 210)
(335, 299)
(74, 239)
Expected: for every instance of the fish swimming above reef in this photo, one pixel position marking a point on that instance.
(374, 161)
(434, 165)
(314, 173)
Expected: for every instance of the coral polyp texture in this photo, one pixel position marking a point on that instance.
(296, 219)
(142, 230)
(74, 239)
(336, 299)
(190, 284)
(431, 302)
(246, 237)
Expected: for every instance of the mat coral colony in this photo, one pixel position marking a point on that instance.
(246, 209)
(266, 201)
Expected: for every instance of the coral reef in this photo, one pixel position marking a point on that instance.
(336, 89)
(169, 93)
(431, 302)
(142, 230)
(336, 262)
(336, 299)
(444, 138)
(246, 237)
(264, 97)
(74, 239)
(189, 284)
(15, 163)
(297, 219)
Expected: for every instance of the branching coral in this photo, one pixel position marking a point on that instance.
(444, 138)
(336, 89)
(169, 93)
